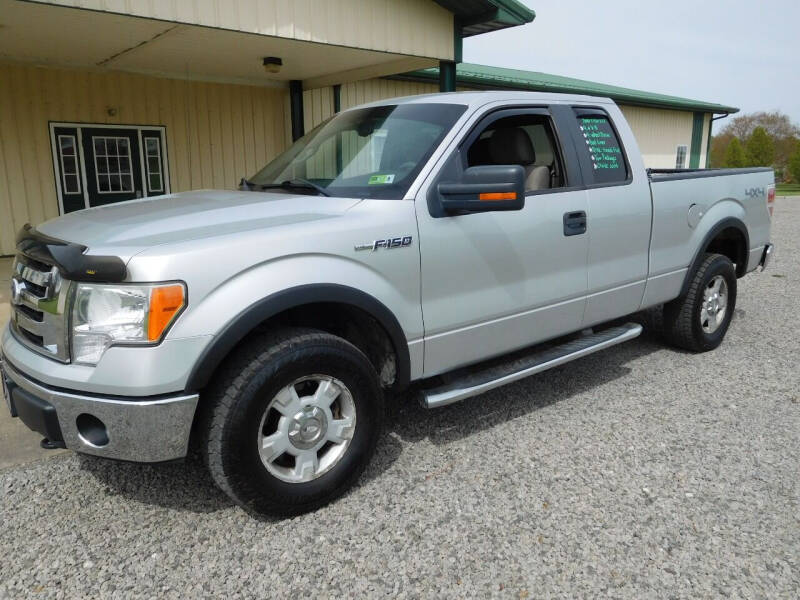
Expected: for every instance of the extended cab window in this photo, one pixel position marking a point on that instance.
(601, 151)
(373, 152)
(525, 140)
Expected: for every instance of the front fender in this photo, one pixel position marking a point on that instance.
(234, 306)
(244, 322)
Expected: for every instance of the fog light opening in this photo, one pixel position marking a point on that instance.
(92, 430)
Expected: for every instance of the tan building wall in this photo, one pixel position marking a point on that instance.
(413, 27)
(215, 133)
(317, 106)
(318, 103)
(372, 90)
(659, 133)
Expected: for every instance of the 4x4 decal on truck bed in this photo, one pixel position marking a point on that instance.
(759, 192)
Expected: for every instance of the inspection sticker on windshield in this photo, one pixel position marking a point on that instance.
(379, 179)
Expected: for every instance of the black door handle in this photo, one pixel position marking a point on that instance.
(574, 223)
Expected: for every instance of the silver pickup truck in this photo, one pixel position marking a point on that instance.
(456, 241)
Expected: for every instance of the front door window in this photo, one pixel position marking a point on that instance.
(99, 164)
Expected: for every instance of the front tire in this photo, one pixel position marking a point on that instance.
(699, 320)
(293, 420)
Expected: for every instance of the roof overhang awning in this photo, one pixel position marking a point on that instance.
(498, 78)
(82, 38)
(483, 16)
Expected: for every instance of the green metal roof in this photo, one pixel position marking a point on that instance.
(483, 16)
(482, 76)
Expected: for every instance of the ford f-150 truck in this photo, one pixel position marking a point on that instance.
(456, 241)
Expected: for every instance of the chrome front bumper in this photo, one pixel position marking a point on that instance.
(147, 430)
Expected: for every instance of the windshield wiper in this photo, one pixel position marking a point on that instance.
(247, 186)
(294, 183)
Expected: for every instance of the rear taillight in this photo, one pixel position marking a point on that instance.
(771, 199)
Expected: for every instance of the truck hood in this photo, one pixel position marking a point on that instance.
(127, 228)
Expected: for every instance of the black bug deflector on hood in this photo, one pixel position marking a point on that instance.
(69, 258)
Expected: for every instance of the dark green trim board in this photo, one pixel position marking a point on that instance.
(497, 78)
(458, 41)
(296, 109)
(447, 76)
(482, 16)
(337, 107)
(708, 142)
(697, 140)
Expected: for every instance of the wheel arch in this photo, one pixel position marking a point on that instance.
(729, 237)
(274, 305)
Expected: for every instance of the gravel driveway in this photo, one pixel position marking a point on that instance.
(638, 472)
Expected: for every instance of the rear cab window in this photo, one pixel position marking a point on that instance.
(599, 148)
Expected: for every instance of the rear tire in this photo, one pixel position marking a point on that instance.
(699, 320)
(292, 421)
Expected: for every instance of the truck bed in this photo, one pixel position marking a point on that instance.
(689, 203)
(657, 175)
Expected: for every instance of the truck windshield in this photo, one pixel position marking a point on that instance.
(363, 153)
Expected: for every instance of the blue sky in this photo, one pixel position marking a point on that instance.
(737, 53)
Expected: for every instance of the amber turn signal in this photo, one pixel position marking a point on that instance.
(165, 304)
(498, 196)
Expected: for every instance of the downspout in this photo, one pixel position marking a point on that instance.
(708, 142)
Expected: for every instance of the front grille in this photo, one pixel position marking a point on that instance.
(37, 290)
(35, 315)
(34, 339)
(39, 307)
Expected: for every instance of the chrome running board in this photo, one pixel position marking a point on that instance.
(480, 381)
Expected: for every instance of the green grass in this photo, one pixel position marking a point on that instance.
(787, 189)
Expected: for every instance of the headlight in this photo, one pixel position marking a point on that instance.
(105, 315)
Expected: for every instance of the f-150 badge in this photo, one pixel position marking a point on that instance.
(387, 244)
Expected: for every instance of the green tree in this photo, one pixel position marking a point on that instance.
(760, 148)
(787, 147)
(719, 144)
(794, 165)
(734, 155)
(778, 125)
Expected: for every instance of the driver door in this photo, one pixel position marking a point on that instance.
(493, 282)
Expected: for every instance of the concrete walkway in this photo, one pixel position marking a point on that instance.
(18, 444)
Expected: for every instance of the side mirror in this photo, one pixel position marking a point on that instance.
(484, 189)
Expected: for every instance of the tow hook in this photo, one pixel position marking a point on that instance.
(49, 445)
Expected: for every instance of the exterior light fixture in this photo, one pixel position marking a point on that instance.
(272, 64)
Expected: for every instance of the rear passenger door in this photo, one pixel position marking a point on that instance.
(493, 282)
(619, 210)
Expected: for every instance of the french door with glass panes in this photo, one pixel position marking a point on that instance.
(103, 164)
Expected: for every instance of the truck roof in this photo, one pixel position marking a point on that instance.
(475, 99)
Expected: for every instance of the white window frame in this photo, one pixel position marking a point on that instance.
(82, 162)
(685, 148)
(147, 165)
(76, 156)
(108, 173)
